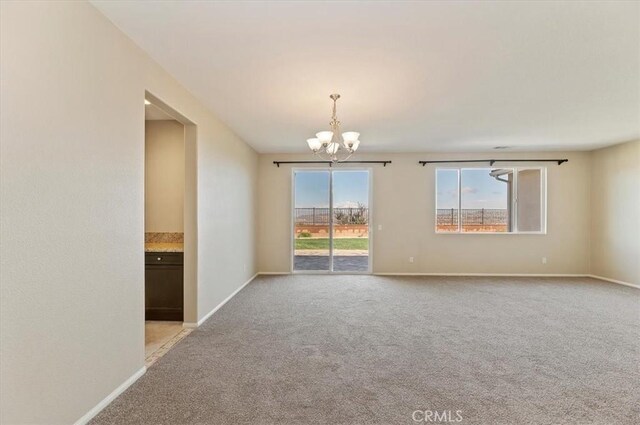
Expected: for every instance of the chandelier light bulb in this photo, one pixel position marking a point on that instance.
(325, 136)
(350, 136)
(314, 144)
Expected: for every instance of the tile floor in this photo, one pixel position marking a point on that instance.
(159, 337)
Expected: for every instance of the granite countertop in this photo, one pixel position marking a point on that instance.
(164, 247)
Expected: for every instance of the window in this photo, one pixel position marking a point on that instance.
(490, 200)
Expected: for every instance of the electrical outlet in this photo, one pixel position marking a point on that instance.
(411, 259)
(544, 260)
(379, 226)
(244, 267)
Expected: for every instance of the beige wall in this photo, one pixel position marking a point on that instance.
(615, 212)
(529, 201)
(164, 176)
(72, 208)
(403, 203)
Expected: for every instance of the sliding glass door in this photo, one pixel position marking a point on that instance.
(350, 230)
(312, 226)
(331, 221)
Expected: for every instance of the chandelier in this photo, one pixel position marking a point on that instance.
(326, 144)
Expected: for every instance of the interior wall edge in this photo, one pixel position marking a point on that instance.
(216, 308)
(619, 282)
(614, 210)
(112, 396)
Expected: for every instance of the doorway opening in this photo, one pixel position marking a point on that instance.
(331, 221)
(170, 224)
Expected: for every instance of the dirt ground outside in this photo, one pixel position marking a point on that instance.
(471, 228)
(339, 230)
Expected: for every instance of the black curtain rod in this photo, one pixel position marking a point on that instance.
(493, 161)
(384, 163)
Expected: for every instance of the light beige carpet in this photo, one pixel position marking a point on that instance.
(374, 350)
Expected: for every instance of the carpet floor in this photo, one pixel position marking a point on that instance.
(318, 349)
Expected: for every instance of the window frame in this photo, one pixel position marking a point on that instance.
(514, 200)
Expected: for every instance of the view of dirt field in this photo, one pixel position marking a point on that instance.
(353, 222)
(473, 220)
(471, 228)
(339, 231)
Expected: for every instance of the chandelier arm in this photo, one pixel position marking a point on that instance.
(337, 158)
(349, 153)
(321, 156)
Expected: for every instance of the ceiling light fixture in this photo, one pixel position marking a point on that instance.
(326, 146)
(146, 102)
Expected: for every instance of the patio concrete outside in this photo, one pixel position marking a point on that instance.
(341, 263)
(336, 252)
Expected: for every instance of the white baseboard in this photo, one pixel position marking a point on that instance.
(108, 399)
(487, 274)
(453, 274)
(216, 308)
(619, 282)
(126, 384)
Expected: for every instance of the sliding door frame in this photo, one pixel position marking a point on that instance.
(292, 229)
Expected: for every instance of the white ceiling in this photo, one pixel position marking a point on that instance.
(414, 76)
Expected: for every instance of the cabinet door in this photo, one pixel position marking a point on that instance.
(164, 292)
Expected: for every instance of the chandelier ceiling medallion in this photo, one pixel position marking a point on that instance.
(326, 144)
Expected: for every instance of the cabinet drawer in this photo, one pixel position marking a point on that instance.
(161, 258)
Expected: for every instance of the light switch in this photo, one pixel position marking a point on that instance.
(379, 226)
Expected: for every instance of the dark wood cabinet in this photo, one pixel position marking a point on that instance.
(164, 286)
